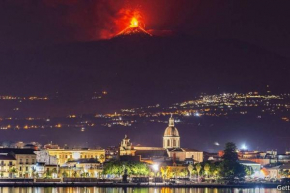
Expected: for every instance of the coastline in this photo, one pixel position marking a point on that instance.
(131, 185)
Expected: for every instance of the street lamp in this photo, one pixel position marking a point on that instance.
(155, 168)
(244, 147)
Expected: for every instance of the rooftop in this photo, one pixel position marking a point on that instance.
(17, 151)
(7, 157)
(248, 162)
(85, 161)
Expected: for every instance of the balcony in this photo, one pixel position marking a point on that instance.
(2, 164)
(21, 163)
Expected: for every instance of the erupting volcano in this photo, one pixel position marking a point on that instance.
(134, 29)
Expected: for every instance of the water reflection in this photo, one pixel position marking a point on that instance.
(133, 190)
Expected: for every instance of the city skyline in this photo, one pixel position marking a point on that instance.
(144, 96)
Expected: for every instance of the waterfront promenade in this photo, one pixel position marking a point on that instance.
(111, 184)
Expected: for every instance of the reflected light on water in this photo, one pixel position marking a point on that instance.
(131, 190)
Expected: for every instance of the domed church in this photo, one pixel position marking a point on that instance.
(171, 137)
(171, 148)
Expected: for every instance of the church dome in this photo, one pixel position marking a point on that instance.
(171, 137)
(171, 131)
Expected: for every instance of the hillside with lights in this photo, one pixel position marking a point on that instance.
(138, 69)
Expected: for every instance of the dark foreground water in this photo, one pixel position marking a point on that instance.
(133, 190)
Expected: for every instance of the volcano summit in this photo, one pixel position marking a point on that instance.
(133, 30)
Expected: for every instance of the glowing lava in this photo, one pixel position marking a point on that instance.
(134, 29)
(134, 22)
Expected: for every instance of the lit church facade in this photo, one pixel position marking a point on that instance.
(171, 137)
(171, 149)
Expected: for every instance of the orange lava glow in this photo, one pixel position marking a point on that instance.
(134, 22)
(124, 19)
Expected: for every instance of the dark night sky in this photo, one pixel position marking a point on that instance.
(64, 46)
(29, 23)
(50, 46)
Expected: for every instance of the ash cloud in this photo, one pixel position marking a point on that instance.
(31, 22)
(25, 23)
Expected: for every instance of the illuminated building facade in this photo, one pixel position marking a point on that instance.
(7, 162)
(44, 157)
(25, 161)
(65, 155)
(83, 168)
(171, 137)
(126, 147)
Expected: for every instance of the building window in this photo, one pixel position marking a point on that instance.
(168, 142)
(174, 142)
(26, 168)
(20, 168)
(26, 161)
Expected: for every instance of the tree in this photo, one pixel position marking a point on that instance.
(83, 174)
(230, 152)
(34, 173)
(206, 169)
(215, 169)
(198, 168)
(190, 169)
(164, 171)
(240, 171)
(174, 172)
(74, 174)
(230, 168)
(64, 174)
(183, 172)
(13, 171)
(54, 171)
(48, 173)
(113, 168)
(151, 174)
(284, 173)
(102, 158)
(133, 168)
(249, 170)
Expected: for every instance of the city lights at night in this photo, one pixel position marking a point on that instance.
(144, 96)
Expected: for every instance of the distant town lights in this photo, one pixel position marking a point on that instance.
(197, 114)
